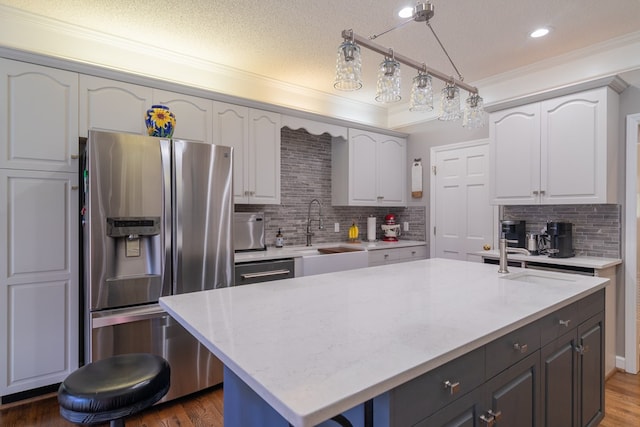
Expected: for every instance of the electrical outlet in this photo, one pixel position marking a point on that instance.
(406, 226)
(336, 227)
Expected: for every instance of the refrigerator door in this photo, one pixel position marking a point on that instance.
(202, 217)
(150, 329)
(127, 253)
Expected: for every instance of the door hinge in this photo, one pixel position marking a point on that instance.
(434, 169)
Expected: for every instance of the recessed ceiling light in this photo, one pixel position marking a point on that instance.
(407, 12)
(540, 32)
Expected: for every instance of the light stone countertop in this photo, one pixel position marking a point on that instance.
(298, 251)
(313, 347)
(596, 263)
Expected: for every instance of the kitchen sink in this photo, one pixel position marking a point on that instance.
(331, 259)
(541, 277)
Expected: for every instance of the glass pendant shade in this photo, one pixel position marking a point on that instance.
(388, 85)
(473, 117)
(348, 67)
(421, 93)
(450, 103)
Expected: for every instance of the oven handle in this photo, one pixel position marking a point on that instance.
(265, 274)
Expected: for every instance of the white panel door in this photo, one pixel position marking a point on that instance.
(194, 116)
(113, 106)
(231, 128)
(462, 217)
(39, 284)
(39, 117)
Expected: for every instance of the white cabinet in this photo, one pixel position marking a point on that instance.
(113, 106)
(194, 116)
(255, 138)
(39, 117)
(396, 255)
(558, 151)
(368, 170)
(39, 284)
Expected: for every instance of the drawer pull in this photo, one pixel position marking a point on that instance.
(452, 387)
(496, 415)
(487, 420)
(564, 323)
(264, 274)
(522, 348)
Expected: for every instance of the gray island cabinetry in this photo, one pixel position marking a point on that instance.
(428, 343)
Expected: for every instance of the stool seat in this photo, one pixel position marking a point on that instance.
(113, 388)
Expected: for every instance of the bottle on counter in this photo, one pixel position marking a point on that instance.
(279, 239)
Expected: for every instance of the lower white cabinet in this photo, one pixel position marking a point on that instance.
(395, 255)
(39, 284)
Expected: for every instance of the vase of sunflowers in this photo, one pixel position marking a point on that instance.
(160, 121)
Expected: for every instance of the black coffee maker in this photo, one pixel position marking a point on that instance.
(514, 230)
(560, 239)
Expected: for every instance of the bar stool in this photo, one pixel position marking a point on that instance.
(113, 388)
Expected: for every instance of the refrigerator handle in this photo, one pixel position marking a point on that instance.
(119, 317)
(167, 197)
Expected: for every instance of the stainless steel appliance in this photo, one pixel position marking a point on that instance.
(248, 235)
(158, 221)
(560, 239)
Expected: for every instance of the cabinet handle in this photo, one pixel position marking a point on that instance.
(564, 323)
(541, 191)
(522, 348)
(74, 156)
(582, 349)
(487, 420)
(413, 253)
(386, 256)
(535, 192)
(496, 415)
(452, 387)
(74, 187)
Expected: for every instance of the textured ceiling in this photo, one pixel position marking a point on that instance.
(295, 41)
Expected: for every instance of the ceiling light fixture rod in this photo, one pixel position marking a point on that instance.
(375, 36)
(445, 51)
(365, 42)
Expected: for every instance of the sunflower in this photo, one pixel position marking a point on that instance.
(161, 117)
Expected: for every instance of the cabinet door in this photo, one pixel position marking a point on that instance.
(515, 156)
(591, 371)
(38, 279)
(464, 412)
(264, 157)
(362, 168)
(113, 106)
(559, 382)
(514, 394)
(39, 117)
(574, 148)
(194, 116)
(392, 171)
(231, 128)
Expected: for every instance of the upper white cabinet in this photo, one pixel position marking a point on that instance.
(113, 106)
(194, 116)
(558, 151)
(39, 117)
(368, 170)
(255, 137)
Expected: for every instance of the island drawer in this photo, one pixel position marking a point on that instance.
(590, 306)
(424, 395)
(511, 348)
(558, 323)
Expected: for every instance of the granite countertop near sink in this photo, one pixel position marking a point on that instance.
(299, 251)
(596, 263)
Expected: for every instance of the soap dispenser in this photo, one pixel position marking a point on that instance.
(279, 239)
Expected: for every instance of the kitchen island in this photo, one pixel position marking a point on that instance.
(314, 347)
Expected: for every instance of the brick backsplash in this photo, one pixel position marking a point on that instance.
(305, 175)
(596, 228)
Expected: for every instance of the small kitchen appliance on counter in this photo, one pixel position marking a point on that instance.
(390, 229)
(514, 230)
(248, 231)
(560, 239)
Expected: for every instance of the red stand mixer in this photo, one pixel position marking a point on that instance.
(390, 229)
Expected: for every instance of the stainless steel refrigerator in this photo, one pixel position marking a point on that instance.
(157, 220)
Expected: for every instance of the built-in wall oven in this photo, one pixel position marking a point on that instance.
(248, 235)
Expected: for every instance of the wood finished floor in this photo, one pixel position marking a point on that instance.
(204, 409)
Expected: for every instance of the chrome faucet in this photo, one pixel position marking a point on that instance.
(320, 220)
(504, 250)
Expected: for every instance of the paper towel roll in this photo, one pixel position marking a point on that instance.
(371, 229)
